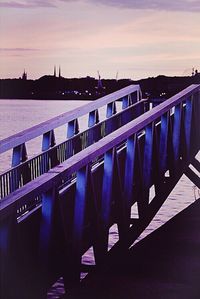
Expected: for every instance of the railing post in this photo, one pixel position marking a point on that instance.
(129, 177)
(111, 109)
(163, 146)
(48, 141)
(106, 199)
(79, 217)
(134, 97)
(125, 102)
(47, 239)
(93, 118)
(195, 132)
(72, 130)
(126, 116)
(147, 163)
(19, 156)
(176, 137)
(139, 94)
(188, 126)
(94, 133)
(111, 123)
(8, 272)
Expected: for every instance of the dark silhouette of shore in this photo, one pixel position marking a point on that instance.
(60, 88)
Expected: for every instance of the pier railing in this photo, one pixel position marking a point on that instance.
(94, 189)
(24, 169)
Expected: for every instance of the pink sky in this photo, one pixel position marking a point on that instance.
(137, 39)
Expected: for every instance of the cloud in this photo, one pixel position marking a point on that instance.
(17, 49)
(27, 4)
(159, 5)
(169, 5)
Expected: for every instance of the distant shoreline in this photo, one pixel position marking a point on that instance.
(62, 100)
(50, 88)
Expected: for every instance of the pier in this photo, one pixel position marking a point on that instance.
(58, 204)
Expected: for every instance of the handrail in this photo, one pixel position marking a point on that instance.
(44, 127)
(54, 176)
(31, 168)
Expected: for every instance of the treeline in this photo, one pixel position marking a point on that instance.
(50, 87)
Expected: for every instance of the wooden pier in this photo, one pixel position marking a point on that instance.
(165, 264)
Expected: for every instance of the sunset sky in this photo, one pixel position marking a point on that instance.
(136, 38)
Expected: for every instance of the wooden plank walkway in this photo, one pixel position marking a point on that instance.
(164, 265)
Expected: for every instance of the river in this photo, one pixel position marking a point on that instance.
(17, 115)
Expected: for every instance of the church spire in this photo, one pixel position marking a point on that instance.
(24, 75)
(100, 85)
(59, 72)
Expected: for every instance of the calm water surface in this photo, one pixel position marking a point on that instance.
(17, 115)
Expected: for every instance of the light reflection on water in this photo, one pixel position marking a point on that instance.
(17, 115)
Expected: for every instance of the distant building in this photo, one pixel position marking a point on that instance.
(100, 88)
(24, 75)
(100, 85)
(59, 74)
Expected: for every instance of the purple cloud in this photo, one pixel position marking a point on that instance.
(169, 5)
(27, 4)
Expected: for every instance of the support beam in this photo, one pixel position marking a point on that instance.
(193, 177)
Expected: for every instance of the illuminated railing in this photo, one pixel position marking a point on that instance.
(94, 189)
(26, 169)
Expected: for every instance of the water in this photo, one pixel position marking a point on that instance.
(17, 115)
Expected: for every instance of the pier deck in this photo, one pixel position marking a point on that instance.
(165, 264)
